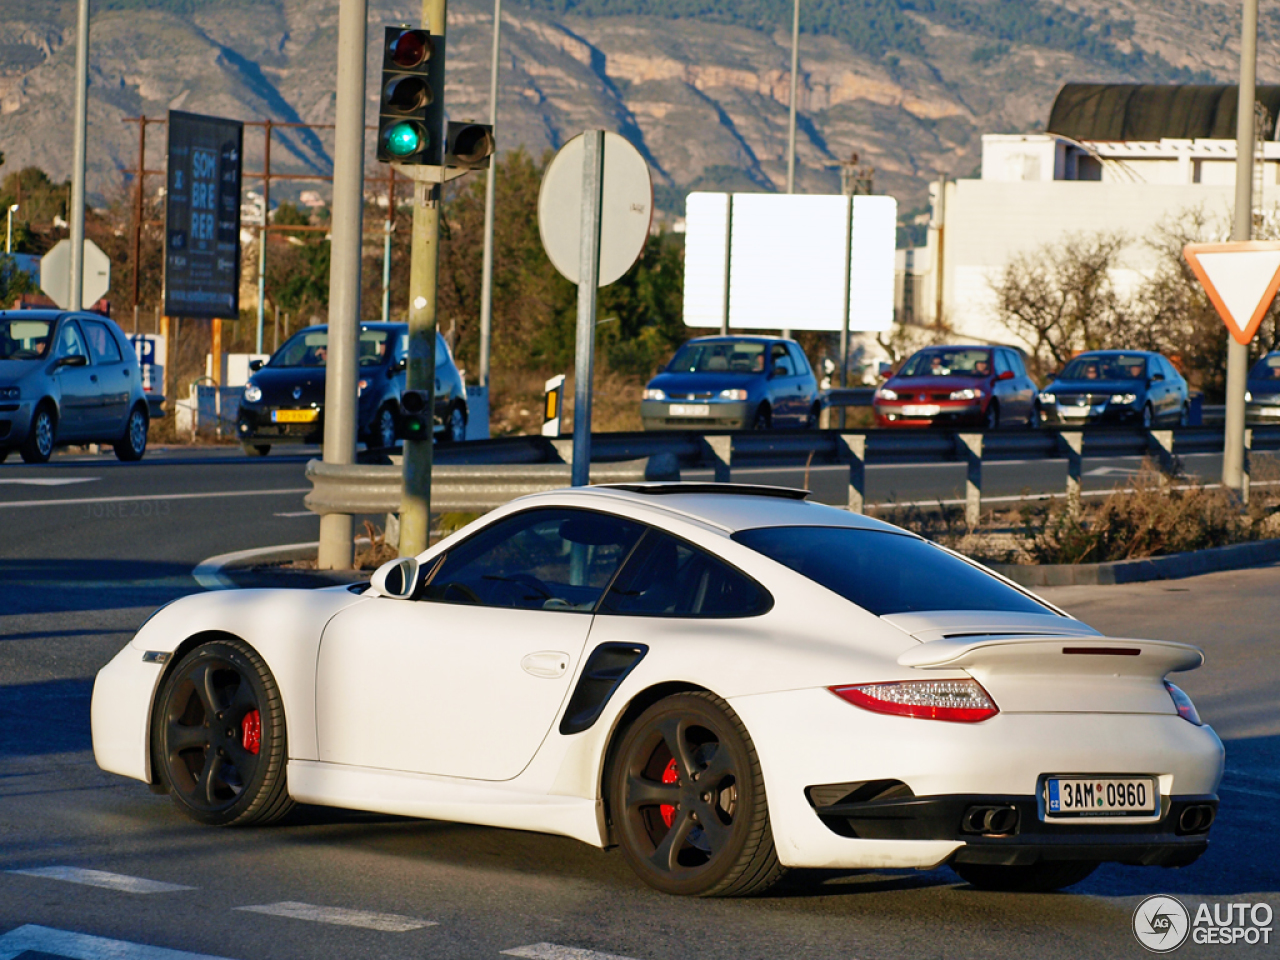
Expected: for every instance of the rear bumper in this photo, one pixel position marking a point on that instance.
(1029, 839)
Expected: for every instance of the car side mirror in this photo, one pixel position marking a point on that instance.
(74, 360)
(1006, 375)
(255, 365)
(885, 371)
(1157, 377)
(397, 579)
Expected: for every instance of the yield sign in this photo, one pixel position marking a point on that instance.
(1240, 278)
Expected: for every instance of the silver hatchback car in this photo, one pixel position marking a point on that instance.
(68, 378)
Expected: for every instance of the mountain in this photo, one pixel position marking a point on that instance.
(700, 86)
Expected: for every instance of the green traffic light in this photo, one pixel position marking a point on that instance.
(404, 139)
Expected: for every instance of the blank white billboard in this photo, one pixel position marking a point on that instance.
(787, 261)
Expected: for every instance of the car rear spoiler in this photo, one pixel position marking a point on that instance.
(1063, 654)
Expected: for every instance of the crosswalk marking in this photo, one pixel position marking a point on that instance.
(81, 946)
(553, 951)
(386, 922)
(101, 878)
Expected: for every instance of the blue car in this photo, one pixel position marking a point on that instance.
(733, 383)
(1262, 397)
(1131, 387)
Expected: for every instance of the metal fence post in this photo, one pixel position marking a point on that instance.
(1161, 443)
(1074, 444)
(853, 448)
(971, 450)
(721, 453)
(1246, 467)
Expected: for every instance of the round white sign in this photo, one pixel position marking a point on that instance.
(625, 216)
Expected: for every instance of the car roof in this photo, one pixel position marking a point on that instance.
(733, 507)
(41, 314)
(734, 338)
(1112, 353)
(370, 325)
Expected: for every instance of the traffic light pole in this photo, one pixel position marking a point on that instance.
(490, 199)
(78, 162)
(1241, 229)
(336, 544)
(424, 260)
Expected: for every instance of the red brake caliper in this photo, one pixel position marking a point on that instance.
(670, 775)
(252, 735)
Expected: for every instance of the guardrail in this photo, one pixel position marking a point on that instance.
(482, 474)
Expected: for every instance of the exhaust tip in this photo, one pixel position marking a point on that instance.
(992, 821)
(1196, 818)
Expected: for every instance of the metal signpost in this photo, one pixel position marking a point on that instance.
(202, 217)
(595, 207)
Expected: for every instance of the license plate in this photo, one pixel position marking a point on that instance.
(1075, 411)
(1072, 797)
(690, 410)
(293, 416)
(921, 410)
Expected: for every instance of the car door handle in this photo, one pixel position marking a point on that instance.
(93, 378)
(545, 664)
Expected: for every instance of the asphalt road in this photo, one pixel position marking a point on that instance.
(77, 579)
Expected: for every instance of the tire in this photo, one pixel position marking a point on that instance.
(1148, 417)
(382, 432)
(455, 428)
(1184, 416)
(811, 421)
(993, 417)
(667, 843)
(216, 774)
(38, 447)
(4, 454)
(1036, 420)
(764, 418)
(255, 449)
(131, 447)
(1044, 877)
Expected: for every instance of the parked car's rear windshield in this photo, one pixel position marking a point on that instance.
(24, 339)
(885, 572)
(719, 357)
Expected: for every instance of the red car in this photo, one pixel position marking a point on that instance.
(980, 386)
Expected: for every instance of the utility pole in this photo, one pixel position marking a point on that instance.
(1241, 229)
(424, 262)
(791, 120)
(78, 161)
(490, 197)
(336, 545)
(262, 233)
(135, 252)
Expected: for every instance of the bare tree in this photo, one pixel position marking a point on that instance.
(1060, 299)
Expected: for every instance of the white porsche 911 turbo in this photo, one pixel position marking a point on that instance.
(723, 681)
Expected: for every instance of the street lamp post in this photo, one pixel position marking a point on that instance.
(8, 242)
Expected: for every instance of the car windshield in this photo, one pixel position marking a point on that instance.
(24, 339)
(1106, 366)
(719, 356)
(962, 362)
(310, 348)
(885, 572)
(1268, 368)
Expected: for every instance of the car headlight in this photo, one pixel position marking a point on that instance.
(733, 394)
(8, 393)
(1248, 396)
(252, 392)
(969, 393)
(651, 394)
(1047, 398)
(884, 393)
(1123, 399)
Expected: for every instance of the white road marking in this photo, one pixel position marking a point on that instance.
(1112, 471)
(101, 878)
(153, 496)
(553, 951)
(47, 481)
(386, 922)
(297, 513)
(81, 946)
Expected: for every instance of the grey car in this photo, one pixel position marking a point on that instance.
(68, 378)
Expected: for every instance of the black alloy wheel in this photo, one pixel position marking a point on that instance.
(38, 447)
(218, 737)
(764, 419)
(133, 444)
(1043, 877)
(687, 801)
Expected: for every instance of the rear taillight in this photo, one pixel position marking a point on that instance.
(1186, 709)
(959, 701)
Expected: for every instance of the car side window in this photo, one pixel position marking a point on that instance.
(70, 343)
(101, 342)
(667, 577)
(799, 359)
(779, 358)
(1002, 362)
(544, 559)
(442, 352)
(1015, 362)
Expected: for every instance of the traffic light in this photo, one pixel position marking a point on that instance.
(468, 145)
(411, 105)
(415, 417)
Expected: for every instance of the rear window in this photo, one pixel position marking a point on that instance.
(886, 573)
